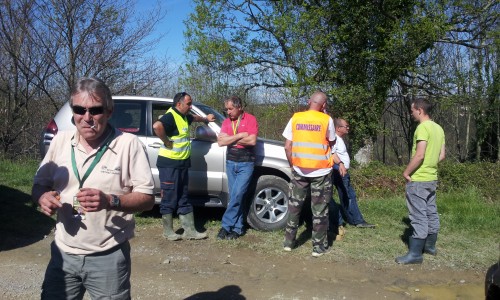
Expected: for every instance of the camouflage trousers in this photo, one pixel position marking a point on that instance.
(321, 194)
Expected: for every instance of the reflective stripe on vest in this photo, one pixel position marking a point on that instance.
(181, 148)
(310, 147)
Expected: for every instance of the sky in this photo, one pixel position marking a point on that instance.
(171, 26)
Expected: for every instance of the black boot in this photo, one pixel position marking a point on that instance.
(414, 255)
(430, 244)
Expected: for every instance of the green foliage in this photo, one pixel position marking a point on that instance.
(272, 119)
(362, 53)
(483, 177)
(378, 180)
(350, 104)
(354, 50)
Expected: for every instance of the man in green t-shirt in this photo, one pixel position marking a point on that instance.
(421, 181)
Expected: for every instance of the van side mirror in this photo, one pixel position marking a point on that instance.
(204, 133)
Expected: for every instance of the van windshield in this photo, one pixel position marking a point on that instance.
(209, 110)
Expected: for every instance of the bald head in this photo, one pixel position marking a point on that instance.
(317, 101)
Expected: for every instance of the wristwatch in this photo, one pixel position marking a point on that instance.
(115, 201)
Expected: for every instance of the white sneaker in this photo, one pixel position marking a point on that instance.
(319, 251)
(287, 246)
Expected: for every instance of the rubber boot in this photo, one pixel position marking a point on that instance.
(414, 255)
(190, 232)
(168, 228)
(430, 244)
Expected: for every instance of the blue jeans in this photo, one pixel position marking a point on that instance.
(421, 203)
(347, 198)
(239, 175)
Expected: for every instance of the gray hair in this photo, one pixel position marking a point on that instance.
(237, 102)
(96, 88)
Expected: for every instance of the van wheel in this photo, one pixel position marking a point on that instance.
(269, 205)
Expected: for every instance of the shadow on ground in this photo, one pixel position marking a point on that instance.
(21, 224)
(405, 236)
(227, 292)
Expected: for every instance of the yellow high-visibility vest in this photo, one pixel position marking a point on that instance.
(181, 148)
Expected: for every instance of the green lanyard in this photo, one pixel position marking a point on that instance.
(94, 163)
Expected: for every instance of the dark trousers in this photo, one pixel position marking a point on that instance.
(174, 188)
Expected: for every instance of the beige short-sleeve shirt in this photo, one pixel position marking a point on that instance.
(123, 168)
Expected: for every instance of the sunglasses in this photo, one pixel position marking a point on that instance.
(95, 110)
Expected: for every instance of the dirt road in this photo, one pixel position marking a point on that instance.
(213, 269)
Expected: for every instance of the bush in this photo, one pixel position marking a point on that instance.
(483, 176)
(379, 181)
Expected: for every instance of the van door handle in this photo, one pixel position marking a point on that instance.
(155, 145)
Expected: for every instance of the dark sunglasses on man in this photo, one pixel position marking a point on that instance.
(93, 111)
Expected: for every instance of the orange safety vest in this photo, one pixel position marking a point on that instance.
(310, 147)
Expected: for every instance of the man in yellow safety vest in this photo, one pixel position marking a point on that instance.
(173, 164)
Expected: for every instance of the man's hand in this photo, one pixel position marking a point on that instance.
(224, 139)
(416, 161)
(210, 118)
(407, 177)
(49, 202)
(92, 200)
(242, 135)
(342, 169)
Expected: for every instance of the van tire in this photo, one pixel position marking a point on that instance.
(268, 206)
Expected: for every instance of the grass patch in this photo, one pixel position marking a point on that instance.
(18, 174)
(469, 236)
(21, 223)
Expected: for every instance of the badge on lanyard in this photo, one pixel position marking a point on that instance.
(78, 211)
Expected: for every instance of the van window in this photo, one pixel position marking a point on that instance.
(129, 117)
(159, 109)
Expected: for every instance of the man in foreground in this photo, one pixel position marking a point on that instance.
(421, 181)
(309, 136)
(174, 160)
(94, 178)
(239, 133)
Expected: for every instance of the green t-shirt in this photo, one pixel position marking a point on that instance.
(433, 134)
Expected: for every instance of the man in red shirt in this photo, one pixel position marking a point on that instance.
(239, 133)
